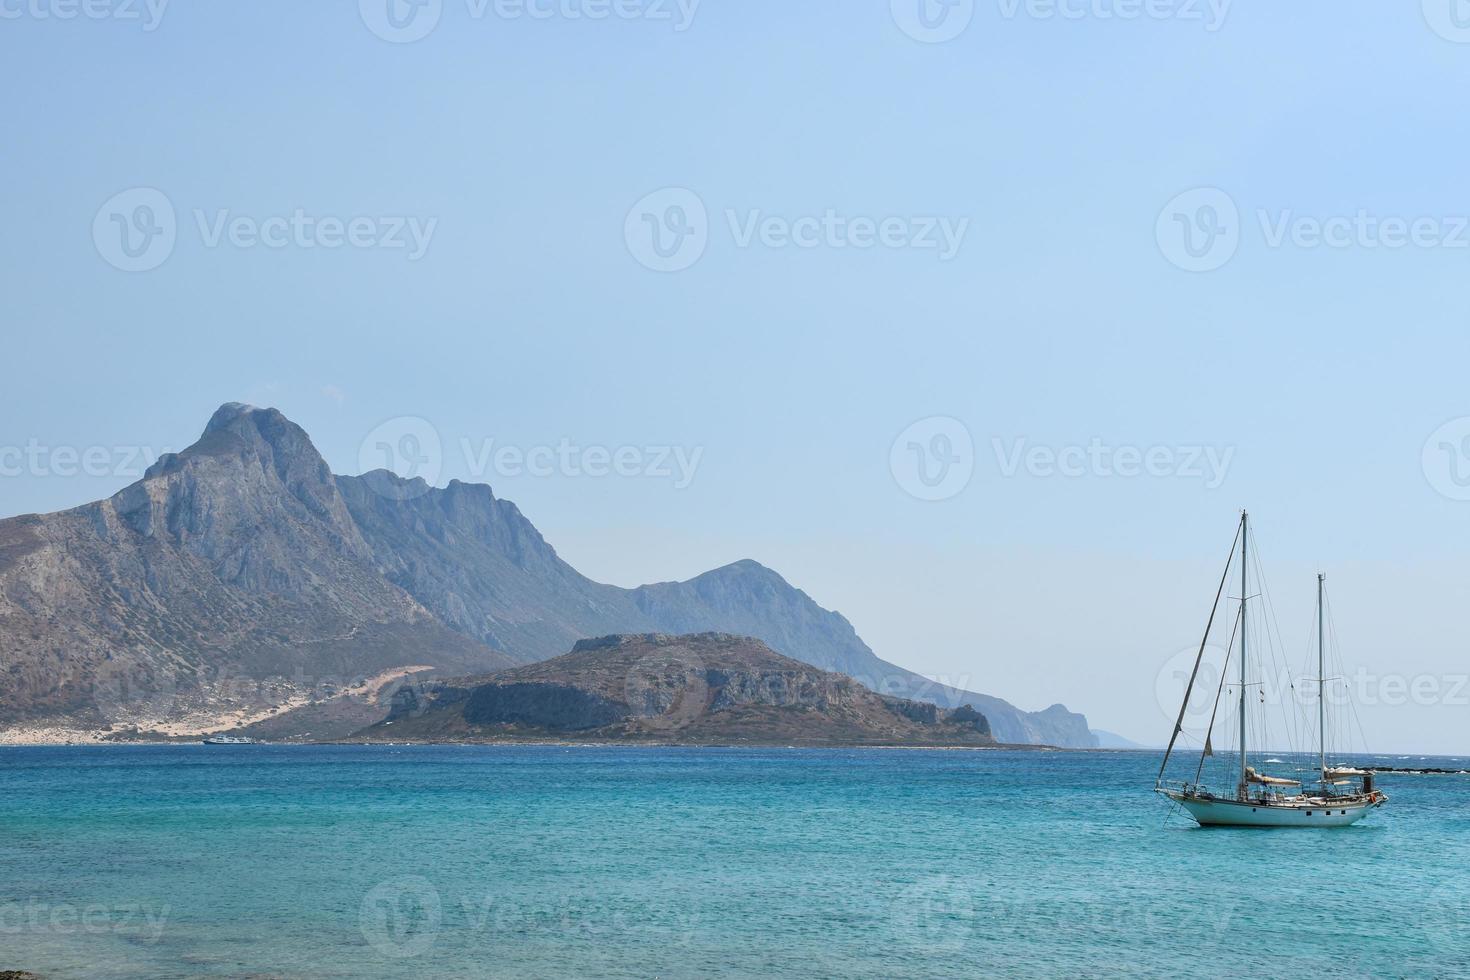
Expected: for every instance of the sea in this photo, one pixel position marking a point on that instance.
(554, 861)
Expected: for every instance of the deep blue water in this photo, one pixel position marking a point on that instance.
(447, 861)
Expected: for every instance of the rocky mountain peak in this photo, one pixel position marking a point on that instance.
(250, 491)
(746, 570)
(229, 414)
(268, 434)
(264, 435)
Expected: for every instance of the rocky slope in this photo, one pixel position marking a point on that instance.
(700, 689)
(241, 573)
(480, 566)
(231, 562)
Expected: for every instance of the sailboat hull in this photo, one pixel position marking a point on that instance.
(1234, 813)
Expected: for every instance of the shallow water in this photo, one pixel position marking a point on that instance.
(345, 861)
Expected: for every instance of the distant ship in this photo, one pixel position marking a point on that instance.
(228, 740)
(1328, 796)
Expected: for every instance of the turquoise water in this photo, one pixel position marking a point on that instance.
(186, 861)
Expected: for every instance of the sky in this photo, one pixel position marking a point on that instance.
(978, 322)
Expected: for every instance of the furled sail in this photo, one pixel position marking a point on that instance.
(1265, 780)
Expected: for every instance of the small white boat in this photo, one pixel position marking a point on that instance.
(1336, 796)
(228, 740)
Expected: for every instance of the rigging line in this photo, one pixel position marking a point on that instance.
(1264, 650)
(1294, 716)
(1296, 712)
(1305, 670)
(1336, 722)
(1339, 722)
(1319, 670)
(1260, 734)
(1179, 722)
(1332, 728)
(1357, 719)
(1224, 672)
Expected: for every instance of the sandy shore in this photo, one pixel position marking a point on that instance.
(43, 735)
(197, 724)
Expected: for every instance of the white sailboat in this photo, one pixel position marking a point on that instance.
(1337, 797)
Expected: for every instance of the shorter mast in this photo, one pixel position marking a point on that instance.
(1321, 685)
(1244, 592)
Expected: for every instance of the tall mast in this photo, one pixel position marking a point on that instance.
(1244, 592)
(1321, 684)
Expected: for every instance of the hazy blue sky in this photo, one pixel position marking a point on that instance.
(1066, 312)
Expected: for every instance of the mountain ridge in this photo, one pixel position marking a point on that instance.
(725, 598)
(244, 556)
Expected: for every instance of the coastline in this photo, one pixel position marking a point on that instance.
(551, 743)
(90, 739)
(44, 736)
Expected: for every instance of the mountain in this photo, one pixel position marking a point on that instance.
(484, 569)
(1109, 740)
(240, 579)
(749, 598)
(236, 559)
(699, 689)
